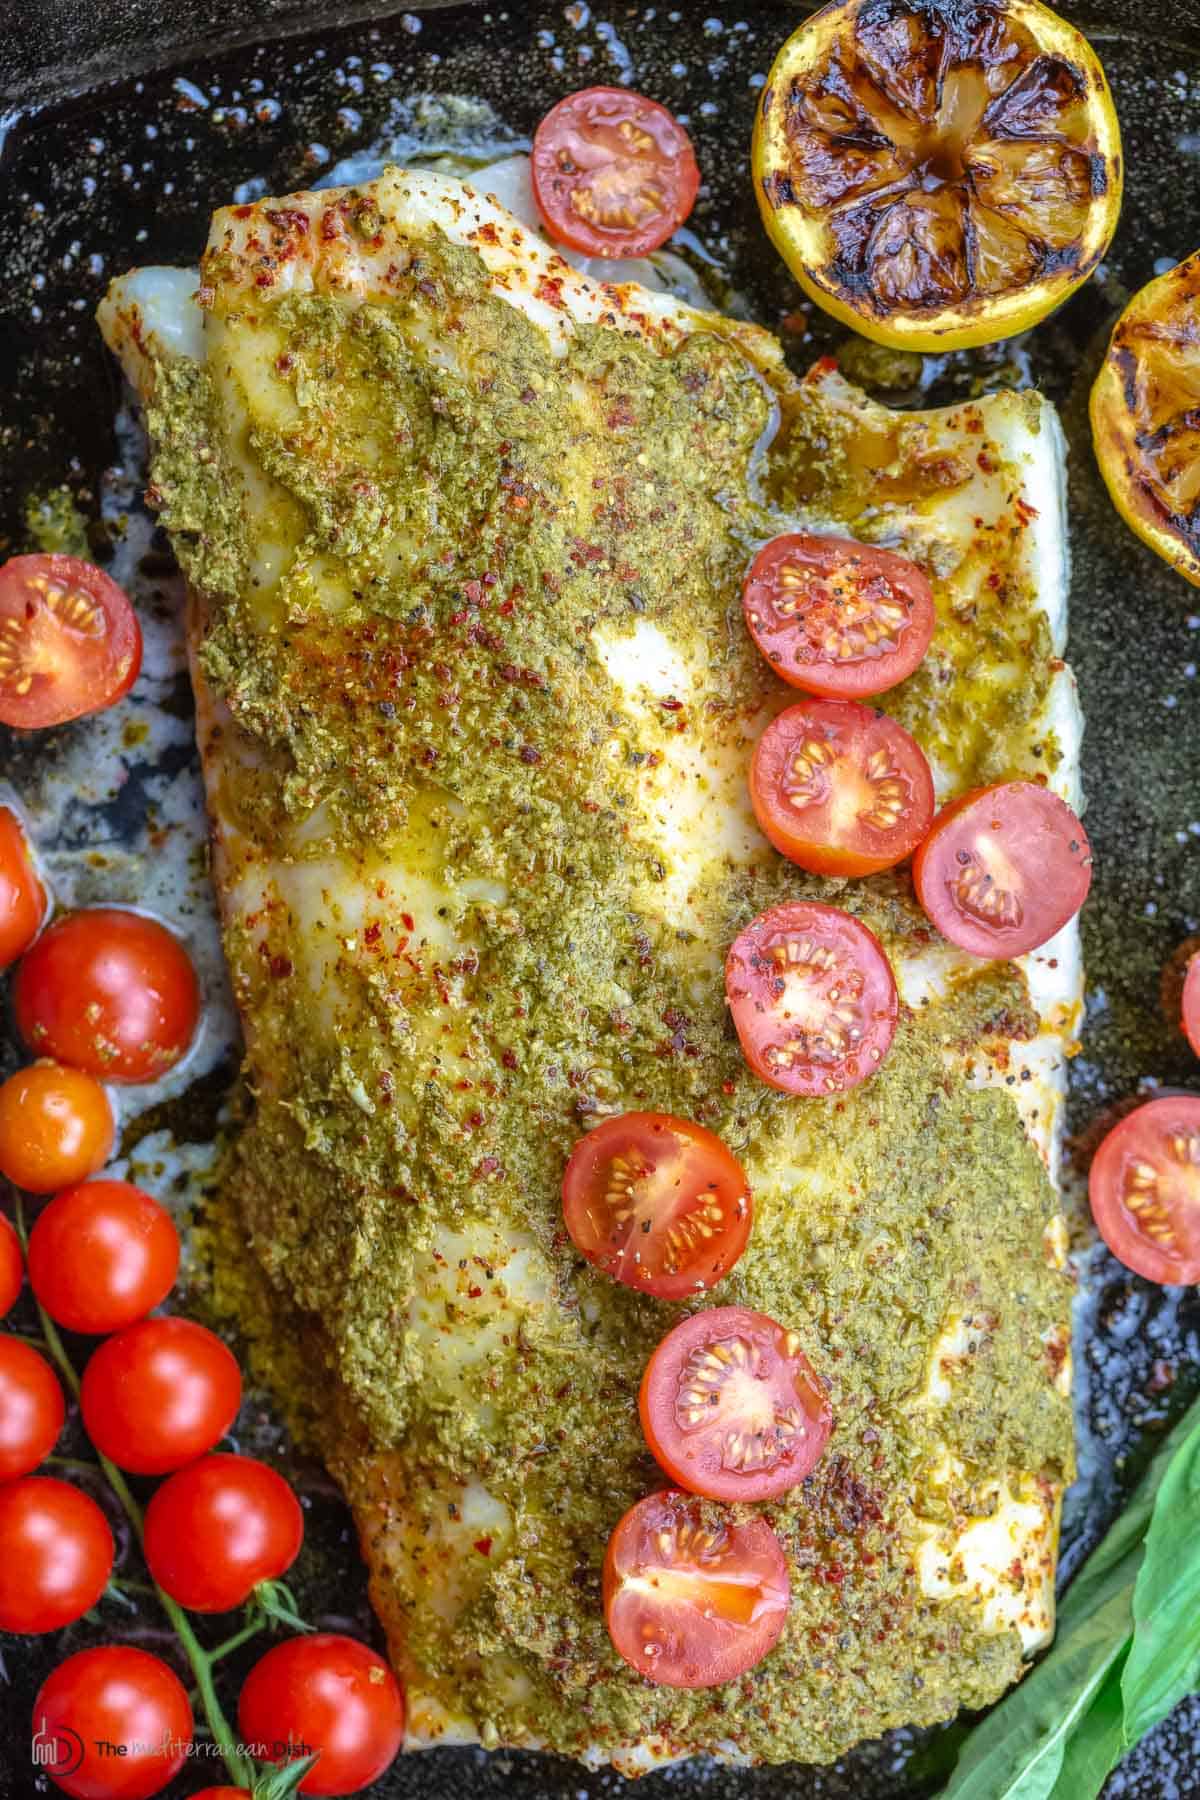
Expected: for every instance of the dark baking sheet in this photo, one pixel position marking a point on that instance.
(148, 115)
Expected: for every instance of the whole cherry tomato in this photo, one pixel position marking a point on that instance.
(333, 1694)
(159, 1394)
(32, 1409)
(102, 1255)
(112, 1724)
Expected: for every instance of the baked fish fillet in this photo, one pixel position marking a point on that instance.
(464, 533)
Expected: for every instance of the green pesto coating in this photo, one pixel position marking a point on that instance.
(482, 520)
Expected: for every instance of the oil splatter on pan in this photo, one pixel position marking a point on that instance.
(128, 170)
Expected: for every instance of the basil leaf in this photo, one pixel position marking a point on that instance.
(1164, 1660)
(1098, 1742)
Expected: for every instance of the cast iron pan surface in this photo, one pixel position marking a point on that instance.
(128, 170)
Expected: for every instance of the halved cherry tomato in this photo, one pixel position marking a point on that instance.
(837, 617)
(330, 1693)
(12, 1266)
(731, 1407)
(159, 1394)
(112, 1724)
(841, 789)
(614, 174)
(813, 998)
(70, 642)
(32, 1408)
(1003, 869)
(56, 1554)
(22, 896)
(689, 1601)
(56, 1127)
(102, 1255)
(1190, 1004)
(1144, 1187)
(108, 991)
(218, 1528)
(657, 1203)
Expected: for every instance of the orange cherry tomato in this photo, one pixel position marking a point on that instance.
(12, 1266)
(108, 991)
(159, 1394)
(1191, 1003)
(813, 998)
(1144, 1186)
(22, 896)
(837, 617)
(840, 788)
(614, 174)
(658, 1203)
(731, 1407)
(56, 1554)
(56, 1127)
(1003, 868)
(70, 642)
(32, 1409)
(689, 1601)
(102, 1255)
(112, 1723)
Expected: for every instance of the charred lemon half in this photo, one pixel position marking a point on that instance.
(938, 173)
(1146, 416)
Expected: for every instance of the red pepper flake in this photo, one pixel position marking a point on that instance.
(528, 754)
(549, 289)
(281, 967)
(509, 1058)
(985, 463)
(483, 1545)
(288, 218)
(474, 1293)
(373, 933)
(1024, 510)
(834, 1574)
(671, 704)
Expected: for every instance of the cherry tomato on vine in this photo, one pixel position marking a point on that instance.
(689, 1601)
(56, 1554)
(102, 1255)
(813, 998)
(112, 1696)
(657, 1202)
(333, 1694)
(108, 991)
(32, 1409)
(159, 1394)
(837, 617)
(22, 896)
(1144, 1186)
(56, 1127)
(841, 789)
(731, 1407)
(1003, 868)
(614, 174)
(12, 1266)
(70, 642)
(219, 1527)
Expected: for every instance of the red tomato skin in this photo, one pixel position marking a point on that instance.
(56, 1554)
(101, 1255)
(1141, 1136)
(159, 1394)
(711, 1654)
(113, 1695)
(12, 1267)
(23, 902)
(653, 1132)
(56, 1127)
(583, 118)
(217, 1528)
(1059, 863)
(1191, 1004)
(110, 992)
(695, 1462)
(785, 642)
(748, 975)
(851, 730)
(32, 1409)
(105, 663)
(334, 1694)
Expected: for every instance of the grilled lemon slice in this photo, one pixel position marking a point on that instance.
(1146, 416)
(938, 175)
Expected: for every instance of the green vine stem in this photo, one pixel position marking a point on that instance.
(241, 1770)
